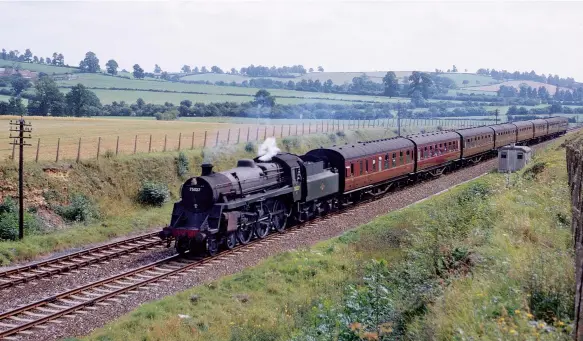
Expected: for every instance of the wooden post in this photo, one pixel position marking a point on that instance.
(165, 141)
(79, 151)
(117, 146)
(150, 144)
(281, 131)
(297, 130)
(289, 130)
(303, 129)
(239, 136)
(574, 153)
(265, 133)
(217, 139)
(14, 148)
(257, 134)
(179, 140)
(191, 143)
(273, 132)
(58, 147)
(136, 144)
(229, 136)
(248, 130)
(204, 145)
(37, 150)
(98, 146)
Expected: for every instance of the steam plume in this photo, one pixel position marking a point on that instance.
(268, 149)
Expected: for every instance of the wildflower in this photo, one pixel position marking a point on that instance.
(517, 312)
(512, 331)
(355, 326)
(561, 323)
(529, 315)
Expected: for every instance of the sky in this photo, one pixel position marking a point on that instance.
(338, 35)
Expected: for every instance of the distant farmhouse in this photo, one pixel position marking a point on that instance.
(7, 72)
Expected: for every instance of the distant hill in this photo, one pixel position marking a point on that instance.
(48, 69)
(493, 88)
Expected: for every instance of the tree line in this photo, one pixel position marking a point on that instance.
(526, 91)
(568, 82)
(57, 59)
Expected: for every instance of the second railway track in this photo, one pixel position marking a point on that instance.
(59, 265)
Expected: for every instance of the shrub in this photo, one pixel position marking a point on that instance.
(80, 209)
(249, 147)
(341, 133)
(9, 220)
(290, 142)
(182, 164)
(332, 137)
(153, 193)
(167, 115)
(109, 154)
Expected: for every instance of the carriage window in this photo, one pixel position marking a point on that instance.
(394, 159)
(380, 163)
(519, 156)
(401, 157)
(347, 171)
(351, 168)
(366, 166)
(374, 165)
(503, 155)
(407, 158)
(361, 167)
(387, 161)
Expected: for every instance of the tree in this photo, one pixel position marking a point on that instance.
(320, 69)
(48, 61)
(454, 69)
(35, 59)
(27, 56)
(111, 67)
(19, 84)
(138, 72)
(263, 98)
(186, 69)
(61, 59)
(4, 55)
(391, 84)
(311, 69)
(216, 69)
(55, 58)
(204, 70)
(421, 82)
(90, 63)
(187, 103)
(195, 70)
(41, 60)
(234, 71)
(82, 102)
(157, 69)
(48, 99)
(15, 106)
(140, 103)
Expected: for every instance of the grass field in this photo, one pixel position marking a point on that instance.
(48, 69)
(472, 78)
(493, 88)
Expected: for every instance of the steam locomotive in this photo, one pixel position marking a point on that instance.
(223, 209)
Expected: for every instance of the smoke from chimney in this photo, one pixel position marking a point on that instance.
(268, 149)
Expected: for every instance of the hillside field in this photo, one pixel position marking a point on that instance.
(495, 87)
(48, 69)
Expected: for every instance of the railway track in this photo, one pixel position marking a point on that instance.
(59, 265)
(84, 299)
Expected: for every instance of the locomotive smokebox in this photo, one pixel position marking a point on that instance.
(207, 169)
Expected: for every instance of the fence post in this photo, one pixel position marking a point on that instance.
(281, 131)
(37, 150)
(117, 146)
(303, 129)
(204, 144)
(58, 146)
(179, 140)
(79, 151)
(229, 136)
(136, 144)
(14, 148)
(98, 146)
(192, 143)
(297, 130)
(257, 134)
(265, 133)
(150, 144)
(165, 141)
(217, 139)
(273, 132)
(239, 136)
(289, 130)
(248, 130)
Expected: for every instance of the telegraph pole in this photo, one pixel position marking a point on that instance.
(399, 111)
(21, 127)
(496, 113)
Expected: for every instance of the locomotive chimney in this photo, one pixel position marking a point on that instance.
(207, 169)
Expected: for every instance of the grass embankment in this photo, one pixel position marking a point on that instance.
(486, 261)
(111, 185)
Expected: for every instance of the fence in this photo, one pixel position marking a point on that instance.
(58, 148)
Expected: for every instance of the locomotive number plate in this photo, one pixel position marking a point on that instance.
(194, 189)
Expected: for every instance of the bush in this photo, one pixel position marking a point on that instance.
(249, 147)
(182, 164)
(167, 115)
(9, 220)
(80, 209)
(109, 154)
(153, 193)
(341, 134)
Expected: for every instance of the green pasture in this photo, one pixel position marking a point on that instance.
(472, 78)
(48, 69)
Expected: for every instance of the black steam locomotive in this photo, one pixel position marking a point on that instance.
(261, 195)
